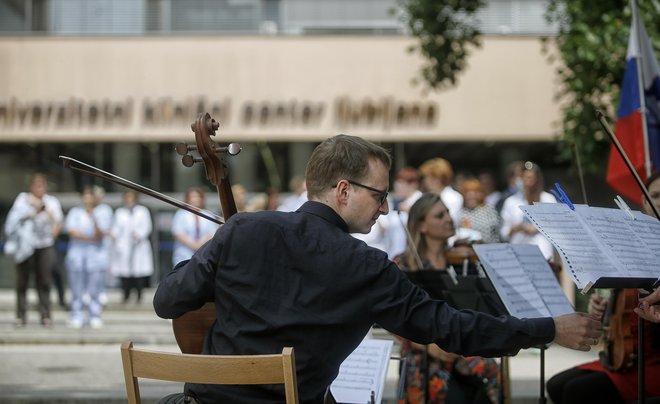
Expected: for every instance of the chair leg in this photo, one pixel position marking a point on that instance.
(132, 387)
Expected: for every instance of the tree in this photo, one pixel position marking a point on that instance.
(592, 44)
(445, 30)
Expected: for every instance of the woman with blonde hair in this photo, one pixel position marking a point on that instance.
(432, 374)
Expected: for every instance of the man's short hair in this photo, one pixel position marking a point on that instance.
(339, 157)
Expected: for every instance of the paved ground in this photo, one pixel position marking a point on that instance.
(63, 365)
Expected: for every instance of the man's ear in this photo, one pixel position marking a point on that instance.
(342, 191)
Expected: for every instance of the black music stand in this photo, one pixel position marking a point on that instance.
(471, 292)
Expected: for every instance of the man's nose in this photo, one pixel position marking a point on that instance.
(384, 208)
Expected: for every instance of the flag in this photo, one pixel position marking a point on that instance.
(631, 124)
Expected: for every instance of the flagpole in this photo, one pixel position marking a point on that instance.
(640, 83)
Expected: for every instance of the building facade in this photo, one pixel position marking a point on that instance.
(117, 83)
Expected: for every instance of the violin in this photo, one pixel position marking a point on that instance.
(191, 328)
(619, 353)
(461, 257)
(460, 253)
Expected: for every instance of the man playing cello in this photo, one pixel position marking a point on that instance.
(300, 279)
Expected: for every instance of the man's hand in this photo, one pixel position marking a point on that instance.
(577, 331)
(646, 310)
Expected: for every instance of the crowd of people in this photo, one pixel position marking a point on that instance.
(414, 226)
(479, 211)
(103, 245)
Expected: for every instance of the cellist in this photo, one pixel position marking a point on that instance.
(594, 382)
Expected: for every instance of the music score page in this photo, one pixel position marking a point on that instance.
(523, 280)
(596, 243)
(363, 372)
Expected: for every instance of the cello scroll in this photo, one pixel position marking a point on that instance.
(212, 155)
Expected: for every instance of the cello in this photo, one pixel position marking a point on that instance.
(191, 328)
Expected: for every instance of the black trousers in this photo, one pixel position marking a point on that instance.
(40, 264)
(582, 386)
(130, 283)
(59, 280)
(177, 398)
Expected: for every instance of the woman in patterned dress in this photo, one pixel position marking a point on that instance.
(430, 371)
(476, 215)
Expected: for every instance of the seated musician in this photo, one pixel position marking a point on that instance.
(649, 308)
(432, 374)
(300, 279)
(594, 382)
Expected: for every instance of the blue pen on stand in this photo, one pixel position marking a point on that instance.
(561, 196)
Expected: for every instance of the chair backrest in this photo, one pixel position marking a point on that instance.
(208, 369)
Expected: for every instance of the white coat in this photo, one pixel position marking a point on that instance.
(131, 253)
(512, 215)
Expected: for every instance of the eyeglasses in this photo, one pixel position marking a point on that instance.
(382, 195)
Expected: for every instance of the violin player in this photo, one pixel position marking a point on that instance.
(648, 308)
(300, 279)
(598, 381)
(433, 375)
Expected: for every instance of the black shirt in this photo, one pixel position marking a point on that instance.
(300, 279)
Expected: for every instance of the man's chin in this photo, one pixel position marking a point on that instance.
(366, 229)
(371, 225)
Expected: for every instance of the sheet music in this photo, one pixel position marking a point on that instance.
(584, 258)
(523, 279)
(648, 229)
(599, 242)
(617, 231)
(364, 371)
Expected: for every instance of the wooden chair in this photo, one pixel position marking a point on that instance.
(208, 369)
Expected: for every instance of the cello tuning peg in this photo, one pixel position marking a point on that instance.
(188, 160)
(182, 149)
(233, 149)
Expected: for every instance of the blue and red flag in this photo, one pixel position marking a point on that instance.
(638, 133)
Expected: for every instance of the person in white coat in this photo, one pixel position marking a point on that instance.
(132, 258)
(516, 227)
(86, 259)
(189, 230)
